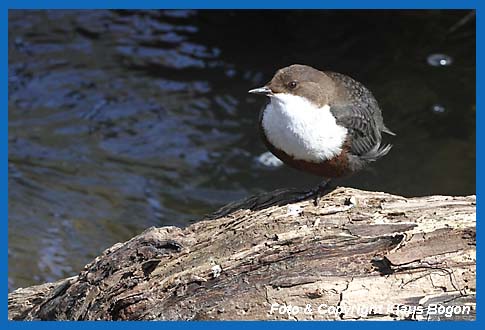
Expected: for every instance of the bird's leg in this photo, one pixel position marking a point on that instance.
(320, 190)
(316, 192)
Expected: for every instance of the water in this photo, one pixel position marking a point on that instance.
(121, 120)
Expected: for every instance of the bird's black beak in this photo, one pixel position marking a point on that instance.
(261, 91)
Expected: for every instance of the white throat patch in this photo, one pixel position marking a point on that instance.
(302, 130)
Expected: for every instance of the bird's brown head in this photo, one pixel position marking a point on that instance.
(300, 80)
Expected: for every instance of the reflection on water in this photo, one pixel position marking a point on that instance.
(121, 120)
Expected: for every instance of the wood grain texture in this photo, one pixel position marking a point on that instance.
(355, 248)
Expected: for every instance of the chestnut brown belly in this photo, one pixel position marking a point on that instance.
(333, 168)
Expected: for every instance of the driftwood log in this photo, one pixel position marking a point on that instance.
(356, 255)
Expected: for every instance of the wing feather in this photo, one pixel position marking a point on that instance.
(364, 133)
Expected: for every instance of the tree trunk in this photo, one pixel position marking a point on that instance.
(356, 255)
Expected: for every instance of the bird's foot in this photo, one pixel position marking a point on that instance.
(317, 192)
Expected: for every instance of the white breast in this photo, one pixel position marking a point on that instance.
(302, 130)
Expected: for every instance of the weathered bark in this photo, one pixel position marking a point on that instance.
(353, 251)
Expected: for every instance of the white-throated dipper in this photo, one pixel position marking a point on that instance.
(321, 122)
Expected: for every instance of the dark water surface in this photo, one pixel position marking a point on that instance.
(123, 120)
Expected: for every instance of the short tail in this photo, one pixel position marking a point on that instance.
(377, 152)
(387, 130)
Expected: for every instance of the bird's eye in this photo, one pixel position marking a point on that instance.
(292, 84)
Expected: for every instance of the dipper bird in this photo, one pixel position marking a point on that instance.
(321, 122)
